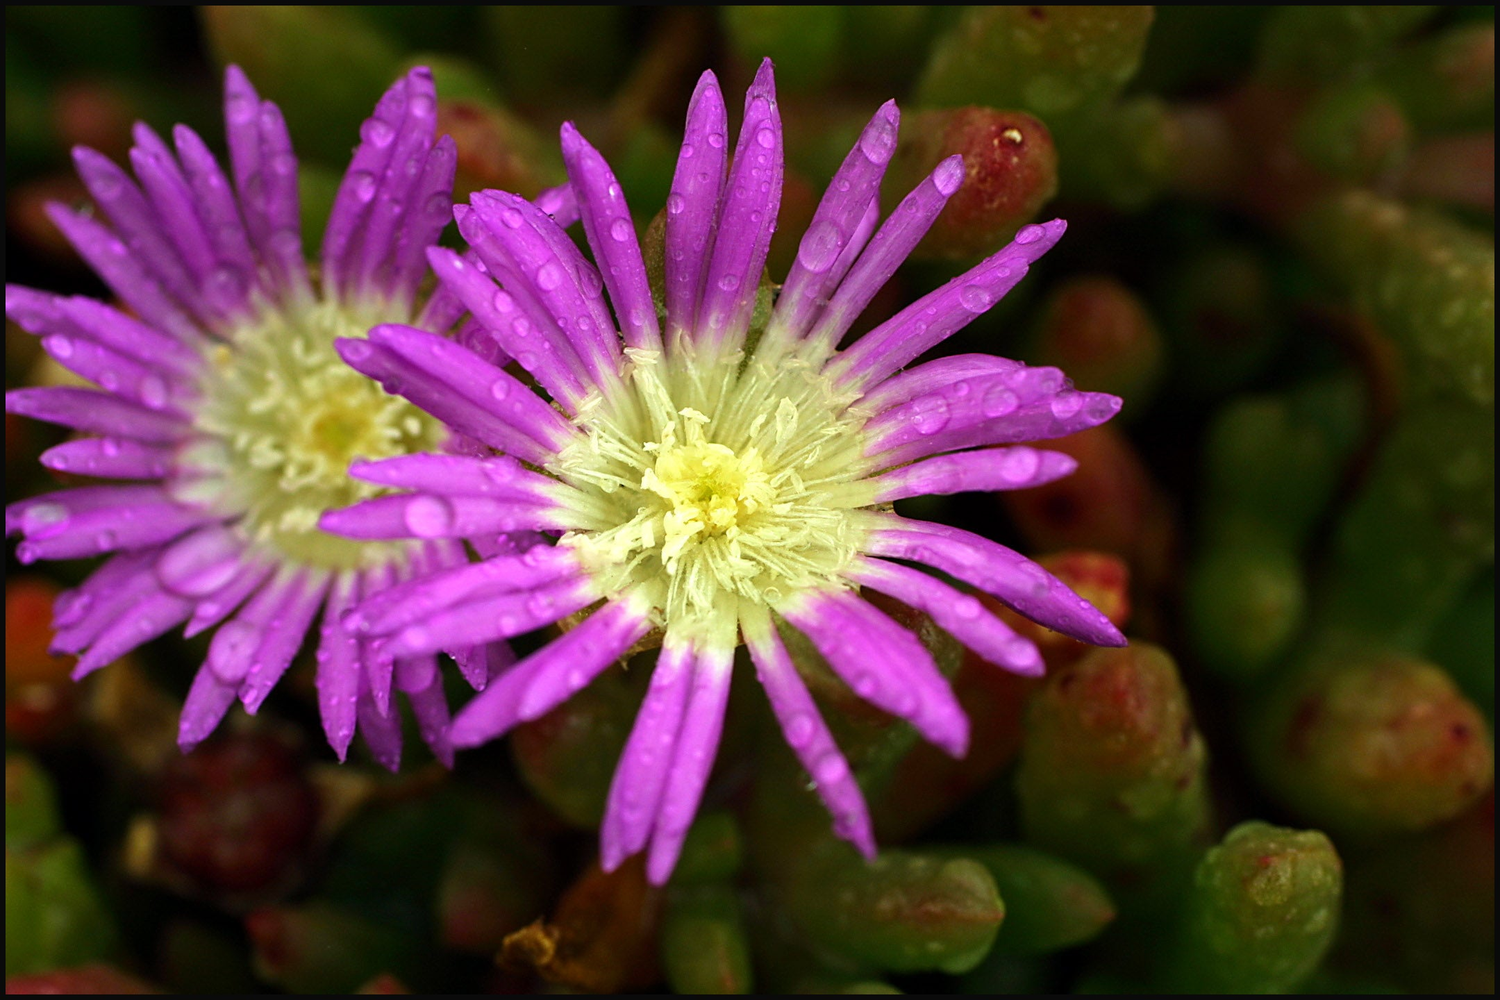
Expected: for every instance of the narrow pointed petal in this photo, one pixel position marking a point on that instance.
(231, 653)
(150, 519)
(1015, 468)
(693, 205)
(428, 214)
(207, 701)
(234, 278)
(808, 736)
(900, 234)
(338, 668)
(422, 515)
(882, 663)
(933, 318)
(128, 335)
(932, 376)
(641, 775)
(491, 617)
(1015, 580)
(382, 733)
(96, 412)
(221, 603)
(559, 202)
(611, 235)
(201, 562)
(747, 217)
(284, 637)
(125, 377)
(482, 663)
(692, 760)
(83, 613)
(583, 651)
(430, 706)
(111, 458)
(835, 226)
(1065, 413)
(144, 621)
(961, 615)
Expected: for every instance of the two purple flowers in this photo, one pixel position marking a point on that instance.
(694, 472)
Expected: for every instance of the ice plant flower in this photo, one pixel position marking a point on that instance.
(717, 470)
(224, 401)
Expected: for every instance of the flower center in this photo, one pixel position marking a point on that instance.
(281, 419)
(721, 481)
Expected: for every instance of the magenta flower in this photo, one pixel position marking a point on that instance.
(716, 471)
(223, 399)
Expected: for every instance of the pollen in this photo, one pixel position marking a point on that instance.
(722, 481)
(280, 421)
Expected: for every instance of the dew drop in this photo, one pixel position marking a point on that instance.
(422, 106)
(830, 769)
(500, 388)
(589, 280)
(44, 515)
(59, 347)
(948, 177)
(716, 139)
(998, 401)
(865, 685)
(105, 540)
(799, 731)
(1022, 464)
(820, 247)
(1030, 234)
(930, 415)
(766, 138)
(729, 282)
(377, 133)
(549, 276)
(503, 302)
(429, 517)
(109, 446)
(1067, 404)
(502, 472)
(966, 607)
(229, 655)
(676, 203)
(362, 185)
(512, 218)
(975, 298)
(357, 350)
(284, 165)
(687, 151)
(153, 390)
(620, 230)
(240, 108)
(878, 143)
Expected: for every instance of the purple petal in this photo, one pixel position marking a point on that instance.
(395, 196)
(961, 615)
(98, 412)
(519, 325)
(483, 662)
(129, 379)
(1015, 580)
(499, 477)
(230, 284)
(410, 602)
(636, 789)
(422, 515)
(378, 663)
(808, 736)
(430, 210)
(693, 205)
(692, 760)
(546, 267)
(582, 652)
(136, 225)
(493, 616)
(882, 663)
(338, 667)
(611, 235)
(382, 733)
(1065, 413)
(142, 622)
(431, 393)
(559, 202)
(835, 227)
(281, 244)
(232, 652)
(932, 376)
(430, 706)
(285, 636)
(991, 469)
(747, 218)
(84, 613)
(934, 317)
(172, 203)
(113, 261)
(207, 701)
(217, 606)
(48, 510)
(111, 458)
(201, 563)
(142, 522)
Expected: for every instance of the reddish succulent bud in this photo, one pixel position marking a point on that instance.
(1010, 171)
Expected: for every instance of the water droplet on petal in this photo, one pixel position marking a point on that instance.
(377, 133)
(500, 388)
(820, 247)
(830, 768)
(153, 390)
(929, 415)
(967, 607)
(110, 446)
(975, 298)
(766, 138)
(878, 143)
(512, 218)
(44, 515)
(422, 105)
(549, 276)
(1021, 464)
(362, 185)
(865, 685)
(799, 731)
(716, 139)
(729, 282)
(58, 346)
(621, 230)
(998, 401)
(429, 517)
(105, 540)
(1030, 234)
(1067, 404)
(676, 203)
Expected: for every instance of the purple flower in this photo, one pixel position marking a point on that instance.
(226, 404)
(718, 470)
